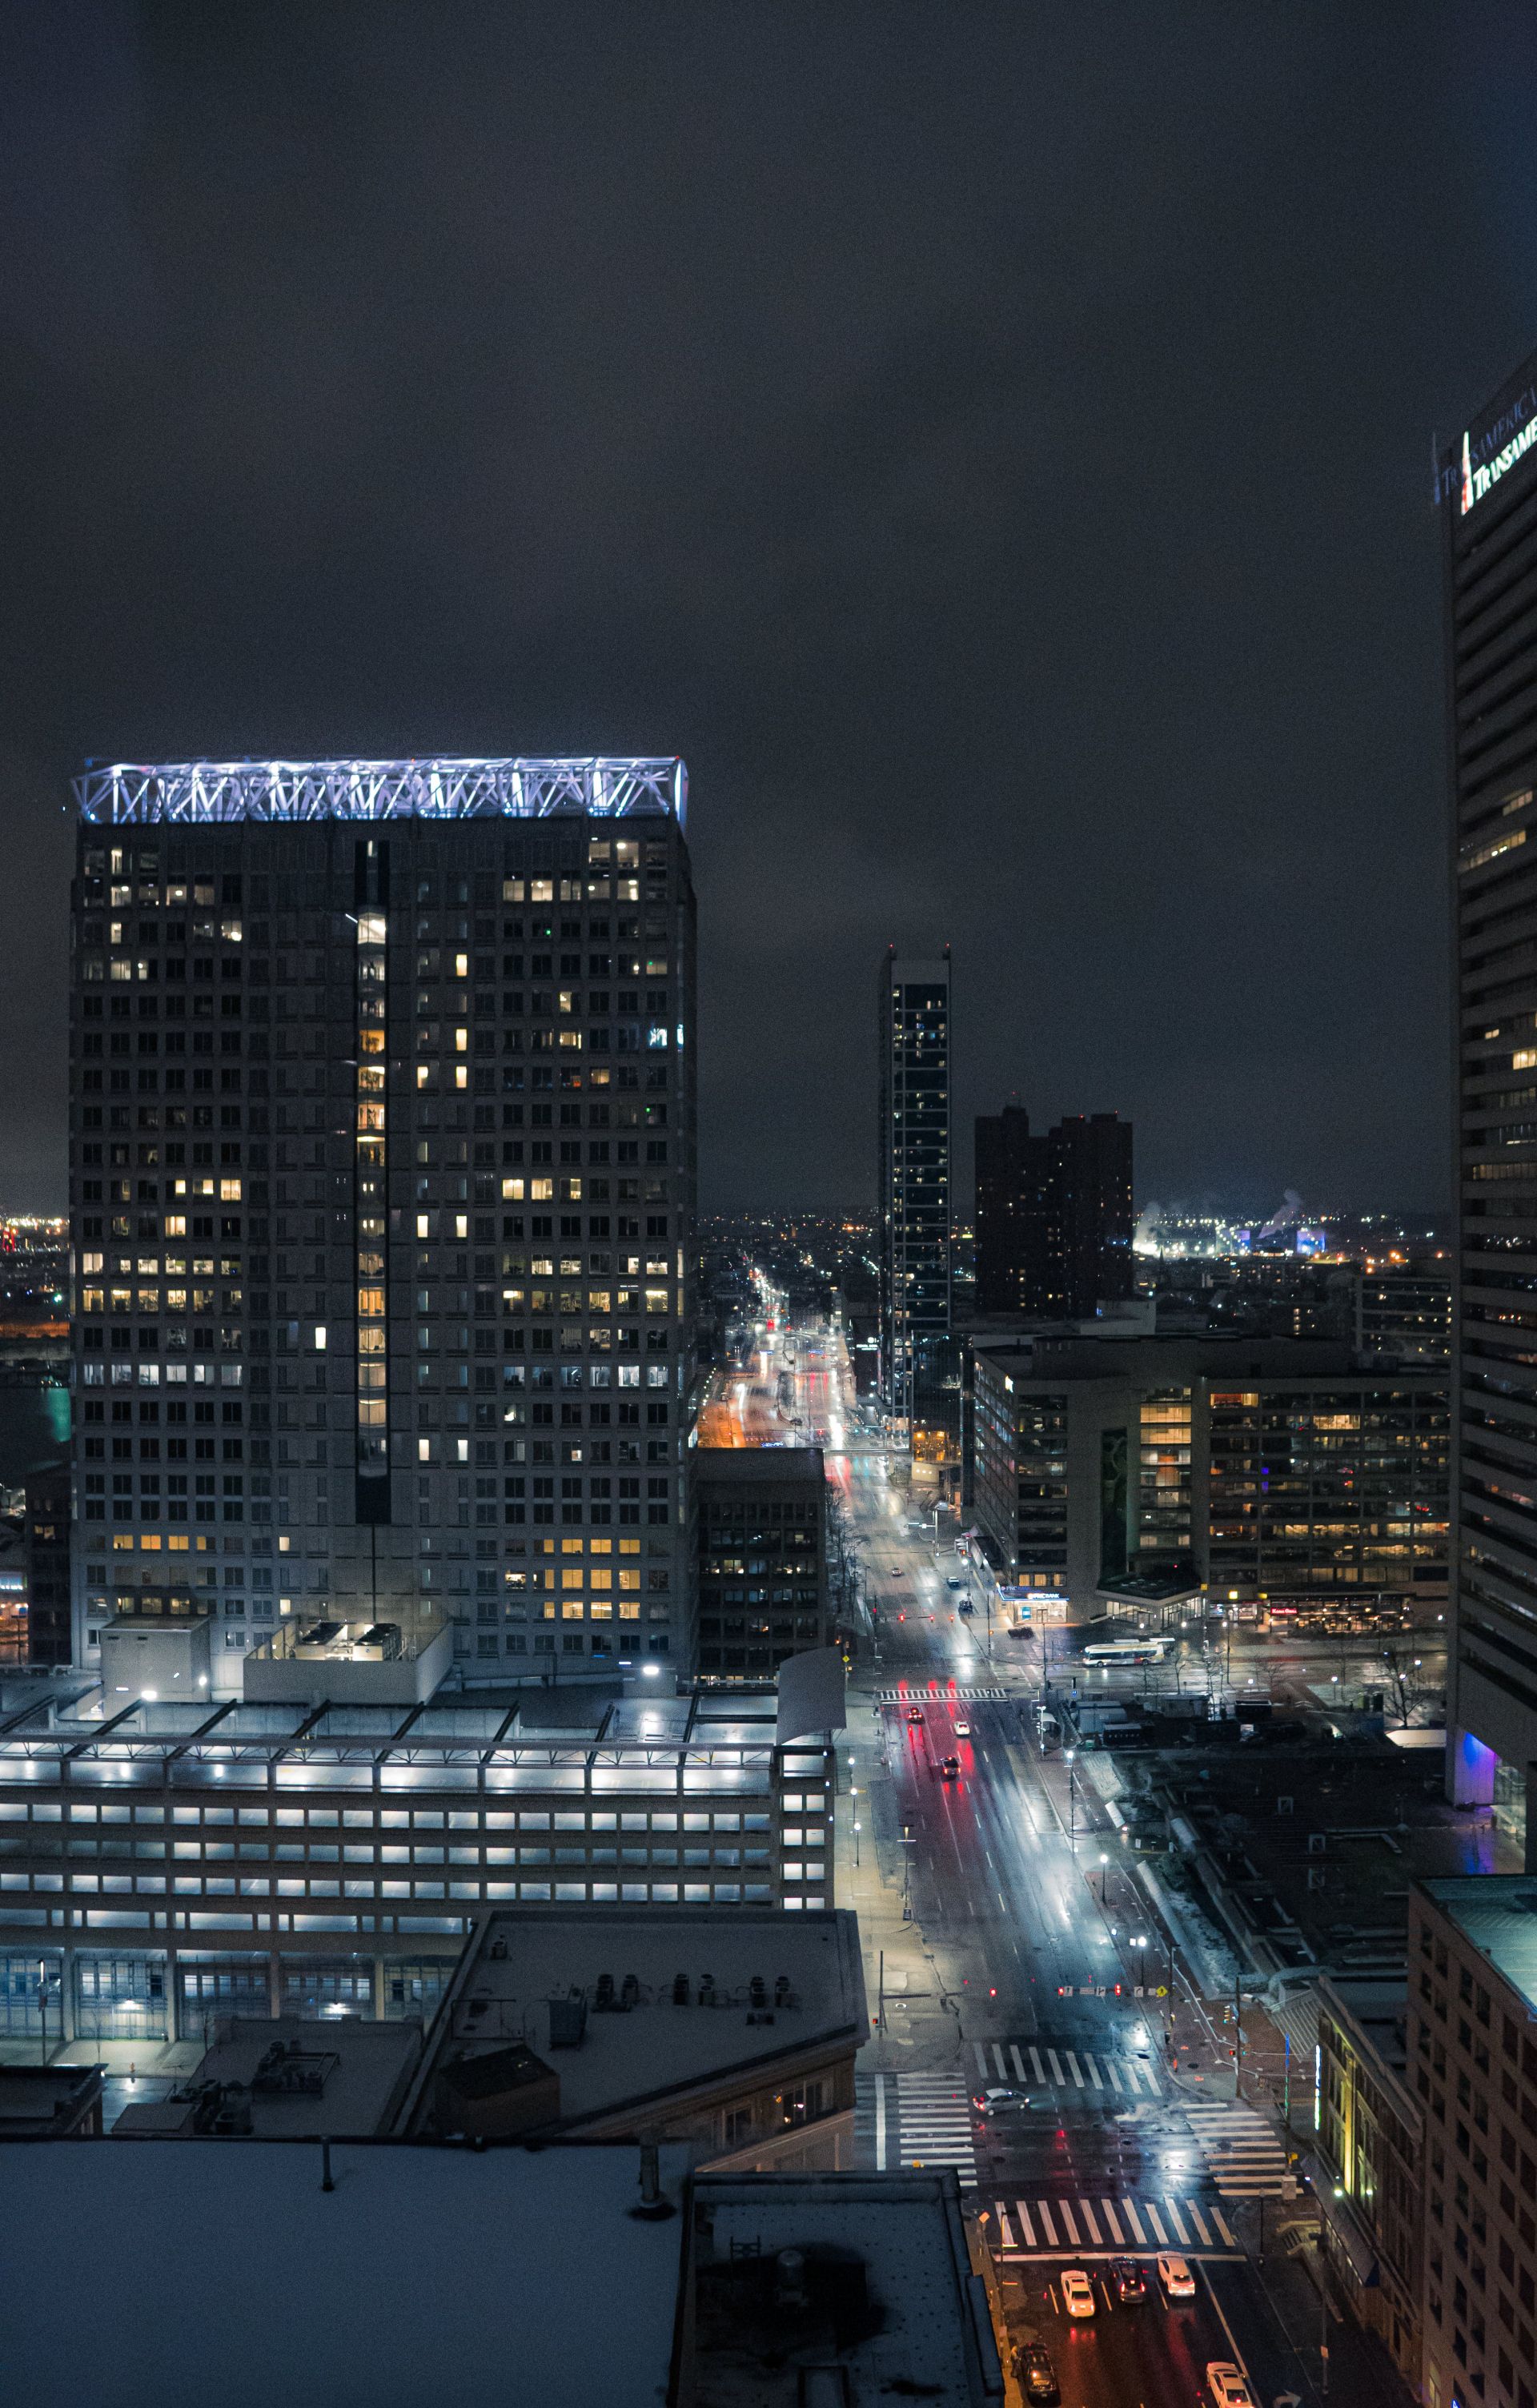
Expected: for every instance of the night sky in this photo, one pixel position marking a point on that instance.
(992, 444)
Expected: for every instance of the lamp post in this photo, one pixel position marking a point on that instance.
(1104, 1878)
(1140, 1944)
(1068, 1753)
(857, 1846)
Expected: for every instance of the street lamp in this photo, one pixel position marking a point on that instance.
(857, 1847)
(1104, 1876)
(1138, 1942)
(1068, 1753)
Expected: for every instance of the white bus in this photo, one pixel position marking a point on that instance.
(1110, 1651)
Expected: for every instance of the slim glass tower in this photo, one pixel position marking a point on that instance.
(1488, 499)
(913, 1174)
(383, 1174)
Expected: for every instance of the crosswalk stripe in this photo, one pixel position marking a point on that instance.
(1073, 2067)
(998, 2055)
(1108, 2211)
(1129, 2209)
(880, 2123)
(1089, 2225)
(1025, 2225)
(1039, 2069)
(1047, 2226)
(1114, 2077)
(1006, 2230)
(1176, 2227)
(1155, 2219)
(1193, 2211)
(1094, 2071)
(1221, 2223)
(1069, 2228)
(1019, 2061)
(982, 2057)
(1055, 2067)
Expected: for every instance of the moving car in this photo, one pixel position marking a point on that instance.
(950, 1768)
(963, 1730)
(1176, 2278)
(1227, 2384)
(1000, 2102)
(1034, 2371)
(1130, 2284)
(1077, 2293)
(955, 1583)
(966, 1606)
(915, 1714)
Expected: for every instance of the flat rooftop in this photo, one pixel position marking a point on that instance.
(338, 2075)
(886, 2289)
(758, 1466)
(1498, 1913)
(425, 2273)
(522, 1959)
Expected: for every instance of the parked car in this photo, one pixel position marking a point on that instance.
(1227, 2384)
(1176, 2279)
(1034, 2371)
(1077, 2293)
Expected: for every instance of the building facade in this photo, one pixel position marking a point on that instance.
(383, 1164)
(324, 1860)
(1372, 2145)
(1473, 2004)
(50, 1634)
(1489, 513)
(913, 1207)
(762, 1557)
(1117, 1468)
(1053, 1215)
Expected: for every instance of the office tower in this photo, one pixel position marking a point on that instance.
(762, 1557)
(912, 1213)
(1489, 504)
(1054, 1214)
(382, 1182)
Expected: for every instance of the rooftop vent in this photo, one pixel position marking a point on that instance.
(679, 1990)
(568, 2021)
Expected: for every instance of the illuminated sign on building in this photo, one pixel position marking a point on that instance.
(1487, 456)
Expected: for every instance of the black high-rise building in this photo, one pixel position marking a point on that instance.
(1489, 500)
(913, 1225)
(382, 1161)
(1054, 1214)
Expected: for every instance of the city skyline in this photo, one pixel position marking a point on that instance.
(875, 604)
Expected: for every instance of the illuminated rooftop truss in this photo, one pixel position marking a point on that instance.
(197, 792)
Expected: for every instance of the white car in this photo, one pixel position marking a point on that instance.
(1077, 2293)
(963, 1730)
(1227, 2384)
(1176, 2279)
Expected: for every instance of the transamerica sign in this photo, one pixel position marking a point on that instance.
(1493, 452)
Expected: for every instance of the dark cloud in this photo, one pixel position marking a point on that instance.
(992, 444)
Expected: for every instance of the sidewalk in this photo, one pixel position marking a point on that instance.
(921, 1989)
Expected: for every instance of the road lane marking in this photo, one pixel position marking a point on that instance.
(1128, 2210)
(1042, 2209)
(1108, 2211)
(1089, 2225)
(1155, 2219)
(1073, 2067)
(1019, 2061)
(1025, 2225)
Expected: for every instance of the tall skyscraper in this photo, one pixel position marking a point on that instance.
(382, 1178)
(1489, 494)
(1054, 1214)
(913, 1182)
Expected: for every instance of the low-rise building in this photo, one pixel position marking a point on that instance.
(279, 2081)
(735, 2036)
(1371, 2149)
(762, 1557)
(1473, 2005)
(164, 1861)
(51, 2103)
(1138, 1470)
